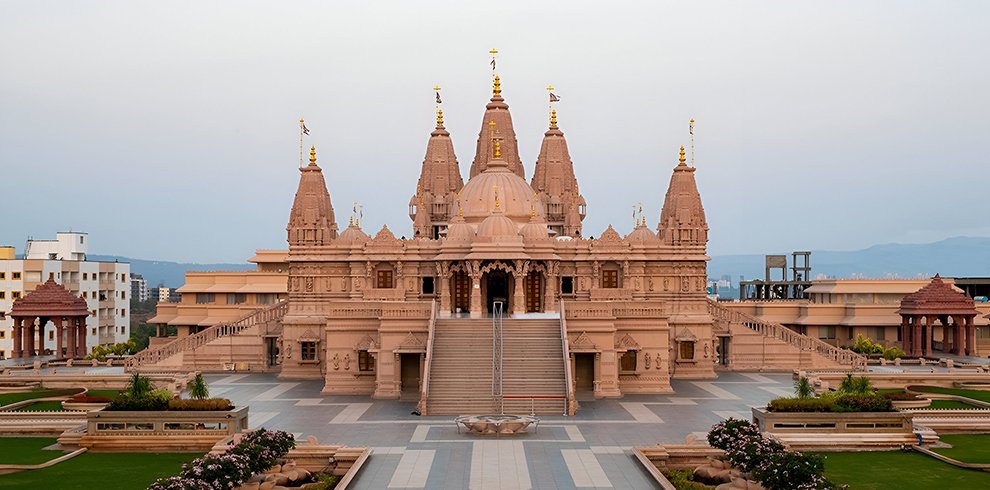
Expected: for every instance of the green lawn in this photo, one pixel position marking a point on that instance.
(8, 398)
(968, 448)
(981, 395)
(49, 406)
(26, 450)
(951, 405)
(105, 471)
(900, 470)
(890, 390)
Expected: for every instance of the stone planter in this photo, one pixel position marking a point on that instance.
(159, 431)
(825, 431)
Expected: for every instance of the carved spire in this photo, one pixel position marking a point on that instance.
(433, 205)
(497, 111)
(555, 182)
(311, 221)
(682, 220)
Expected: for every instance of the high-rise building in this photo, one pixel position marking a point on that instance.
(104, 285)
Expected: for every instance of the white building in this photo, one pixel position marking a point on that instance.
(104, 285)
(139, 288)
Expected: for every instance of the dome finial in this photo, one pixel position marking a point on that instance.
(312, 156)
(497, 86)
(439, 118)
(681, 158)
(553, 118)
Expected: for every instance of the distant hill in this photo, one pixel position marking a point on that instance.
(171, 274)
(952, 257)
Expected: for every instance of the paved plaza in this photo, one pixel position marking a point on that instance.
(590, 450)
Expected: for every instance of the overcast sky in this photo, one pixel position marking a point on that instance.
(168, 130)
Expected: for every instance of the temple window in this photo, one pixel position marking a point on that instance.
(384, 279)
(686, 350)
(236, 298)
(610, 279)
(627, 362)
(307, 351)
(875, 333)
(567, 285)
(826, 333)
(205, 298)
(366, 362)
(264, 298)
(428, 285)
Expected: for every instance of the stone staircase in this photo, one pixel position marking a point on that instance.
(788, 349)
(266, 321)
(461, 368)
(532, 366)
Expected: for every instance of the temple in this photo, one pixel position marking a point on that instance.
(499, 301)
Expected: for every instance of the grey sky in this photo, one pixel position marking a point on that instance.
(169, 129)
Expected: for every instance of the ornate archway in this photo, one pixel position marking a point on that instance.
(498, 285)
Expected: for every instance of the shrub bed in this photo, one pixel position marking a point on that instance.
(257, 451)
(776, 469)
(89, 399)
(208, 404)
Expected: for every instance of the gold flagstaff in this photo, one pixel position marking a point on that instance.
(691, 130)
(302, 130)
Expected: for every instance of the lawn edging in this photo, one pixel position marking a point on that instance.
(13, 468)
(954, 462)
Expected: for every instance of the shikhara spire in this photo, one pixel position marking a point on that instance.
(554, 181)
(311, 221)
(497, 111)
(434, 204)
(682, 220)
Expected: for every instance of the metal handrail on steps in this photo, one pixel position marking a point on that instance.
(566, 350)
(497, 355)
(191, 342)
(425, 392)
(786, 335)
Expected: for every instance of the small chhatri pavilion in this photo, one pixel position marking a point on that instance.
(49, 302)
(942, 302)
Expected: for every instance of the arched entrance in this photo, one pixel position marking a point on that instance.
(533, 285)
(497, 288)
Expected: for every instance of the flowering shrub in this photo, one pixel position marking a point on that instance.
(745, 447)
(257, 451)
(793, 471)
(263, 448)
(220, 471)
(179, 483)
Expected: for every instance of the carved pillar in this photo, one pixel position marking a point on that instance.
(916, 337)
(81, 339)
(72, 326)
(29, 336)
(904, 334)
(970, 336)
(58, 338)
(18, 337)
(475, 293)
(518, 298)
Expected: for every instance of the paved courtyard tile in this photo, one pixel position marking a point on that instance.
(590, 450)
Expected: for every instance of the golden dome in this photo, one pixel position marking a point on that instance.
(515, 196)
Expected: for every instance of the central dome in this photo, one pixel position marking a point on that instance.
(517, 199)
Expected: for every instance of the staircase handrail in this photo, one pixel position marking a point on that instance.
(565, 345)
(782, 333)
(497, 355)
(223, 329)
(425, 392)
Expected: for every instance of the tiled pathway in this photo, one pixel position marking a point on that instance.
(590, 450)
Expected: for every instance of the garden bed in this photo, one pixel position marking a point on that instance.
(172, 430)
(120, 471)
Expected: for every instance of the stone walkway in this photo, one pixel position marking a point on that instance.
(589, 450)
